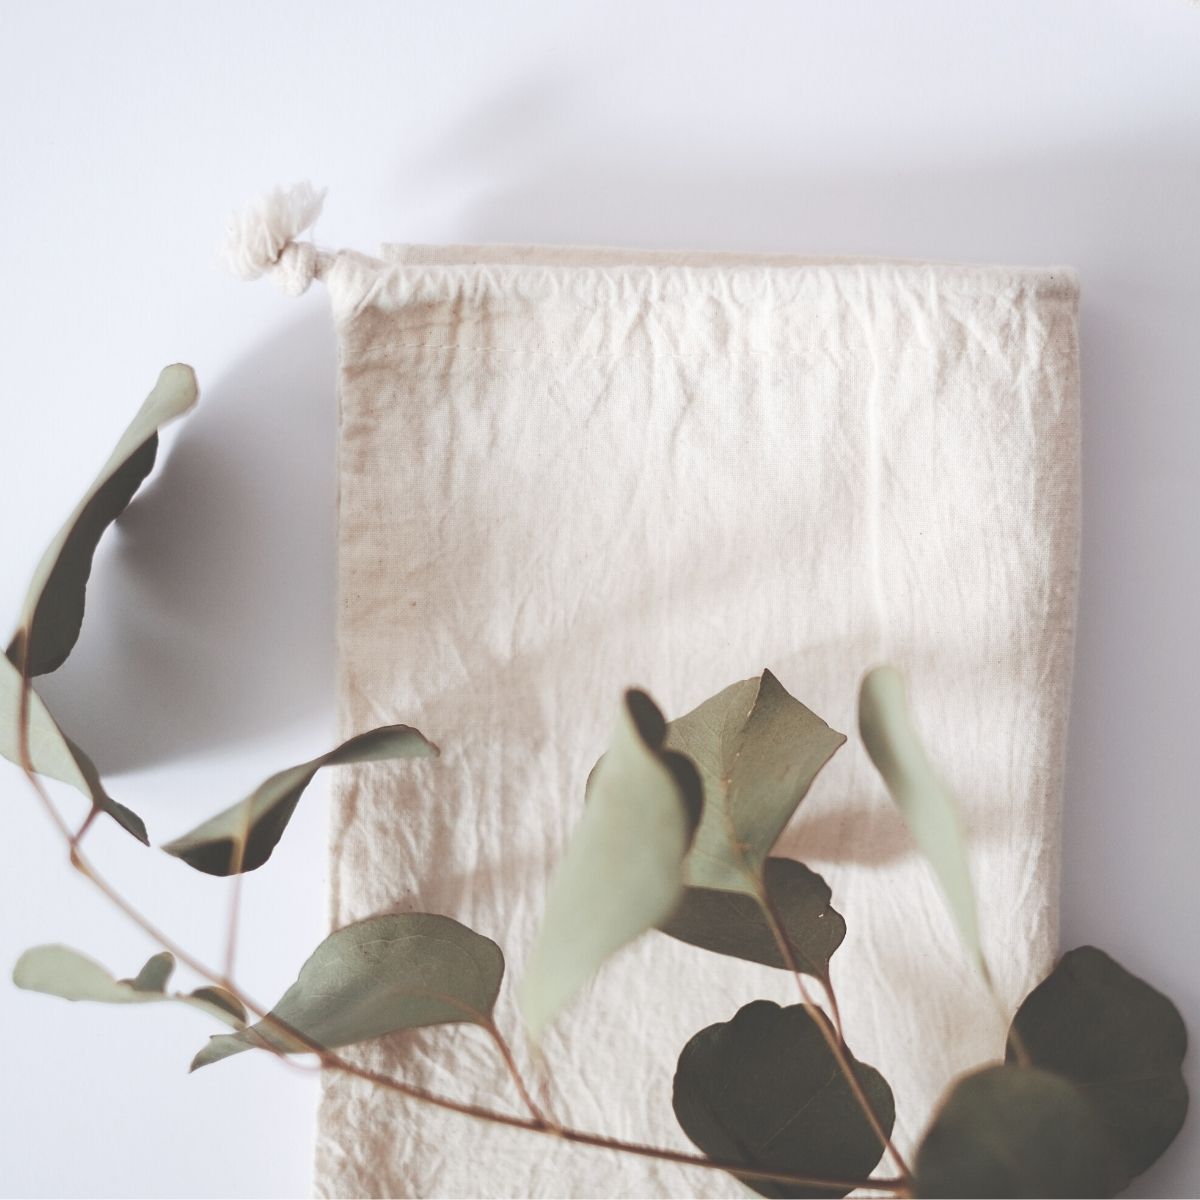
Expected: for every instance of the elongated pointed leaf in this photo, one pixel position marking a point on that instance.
(764, 1090)
(52, 753)
(927, 807)
(243, 836)
(623, 871)
(53, 610)
(734, 923)
(758, 750)
(61, 971)
(1014, 1132)
(373, 978)
(1120, 1042)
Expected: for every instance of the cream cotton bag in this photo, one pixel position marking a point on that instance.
(568, 471)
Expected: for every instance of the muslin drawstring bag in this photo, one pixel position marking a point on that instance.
(568, 471)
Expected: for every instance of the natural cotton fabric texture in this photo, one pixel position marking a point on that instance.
(565, 472)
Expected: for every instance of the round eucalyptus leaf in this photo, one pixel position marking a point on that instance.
(1011, 1132)
(735, 924)
(764, 1090)
(376, 977)
(1120, 1042)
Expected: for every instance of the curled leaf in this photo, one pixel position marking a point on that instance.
(52, 614)
(243, 837)
(52, 753)
(61, 971)
(735, 923)
(1014, 1132)
(623, 871)
(373, 978)
(1120, 1042)
(764, 1090)
(758, 750)
(927, 807)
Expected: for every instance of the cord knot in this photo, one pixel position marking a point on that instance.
(261, 238)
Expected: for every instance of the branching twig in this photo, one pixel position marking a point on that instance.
(537, 1122)
(833, 1037)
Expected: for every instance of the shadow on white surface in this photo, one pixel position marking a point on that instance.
(210, 618)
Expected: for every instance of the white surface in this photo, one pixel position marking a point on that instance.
(1025, 132)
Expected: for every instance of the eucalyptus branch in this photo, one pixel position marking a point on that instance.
(536, 1123)
(833, 1038)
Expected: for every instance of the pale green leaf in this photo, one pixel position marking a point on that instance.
(373, 978)
(61, 971)
(623, 871)
(53, 610)
(927, 807)
(52, 753)
(243, 836)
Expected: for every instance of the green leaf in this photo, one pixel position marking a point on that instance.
(373, 978)
(243, 836)
(765, 1091)
(1014, 1132)
(758, 751)
(53, 610)
(61, 971)
(735, 924)
(928, 809)
(52, 753)
(623, 871)
(1120, 1042)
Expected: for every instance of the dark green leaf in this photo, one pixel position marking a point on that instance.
(758, 751)
(1014, 1132)
(52, 753)
(1120, 1042)
(242, 837)
(53, 610)
(623, 870)
(928, 809)
(376, 977)
(764, 1090)
(734, 923)
(61, 971)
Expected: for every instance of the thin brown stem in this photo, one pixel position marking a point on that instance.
(93, 813)
(835, 1010)
(235, 903)
(510, 1062)
(536, 1123)
(833, 1037)
(582, 1138)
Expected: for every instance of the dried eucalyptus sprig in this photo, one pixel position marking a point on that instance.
(676, 834)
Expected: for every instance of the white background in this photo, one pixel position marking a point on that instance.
(1029, 131)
